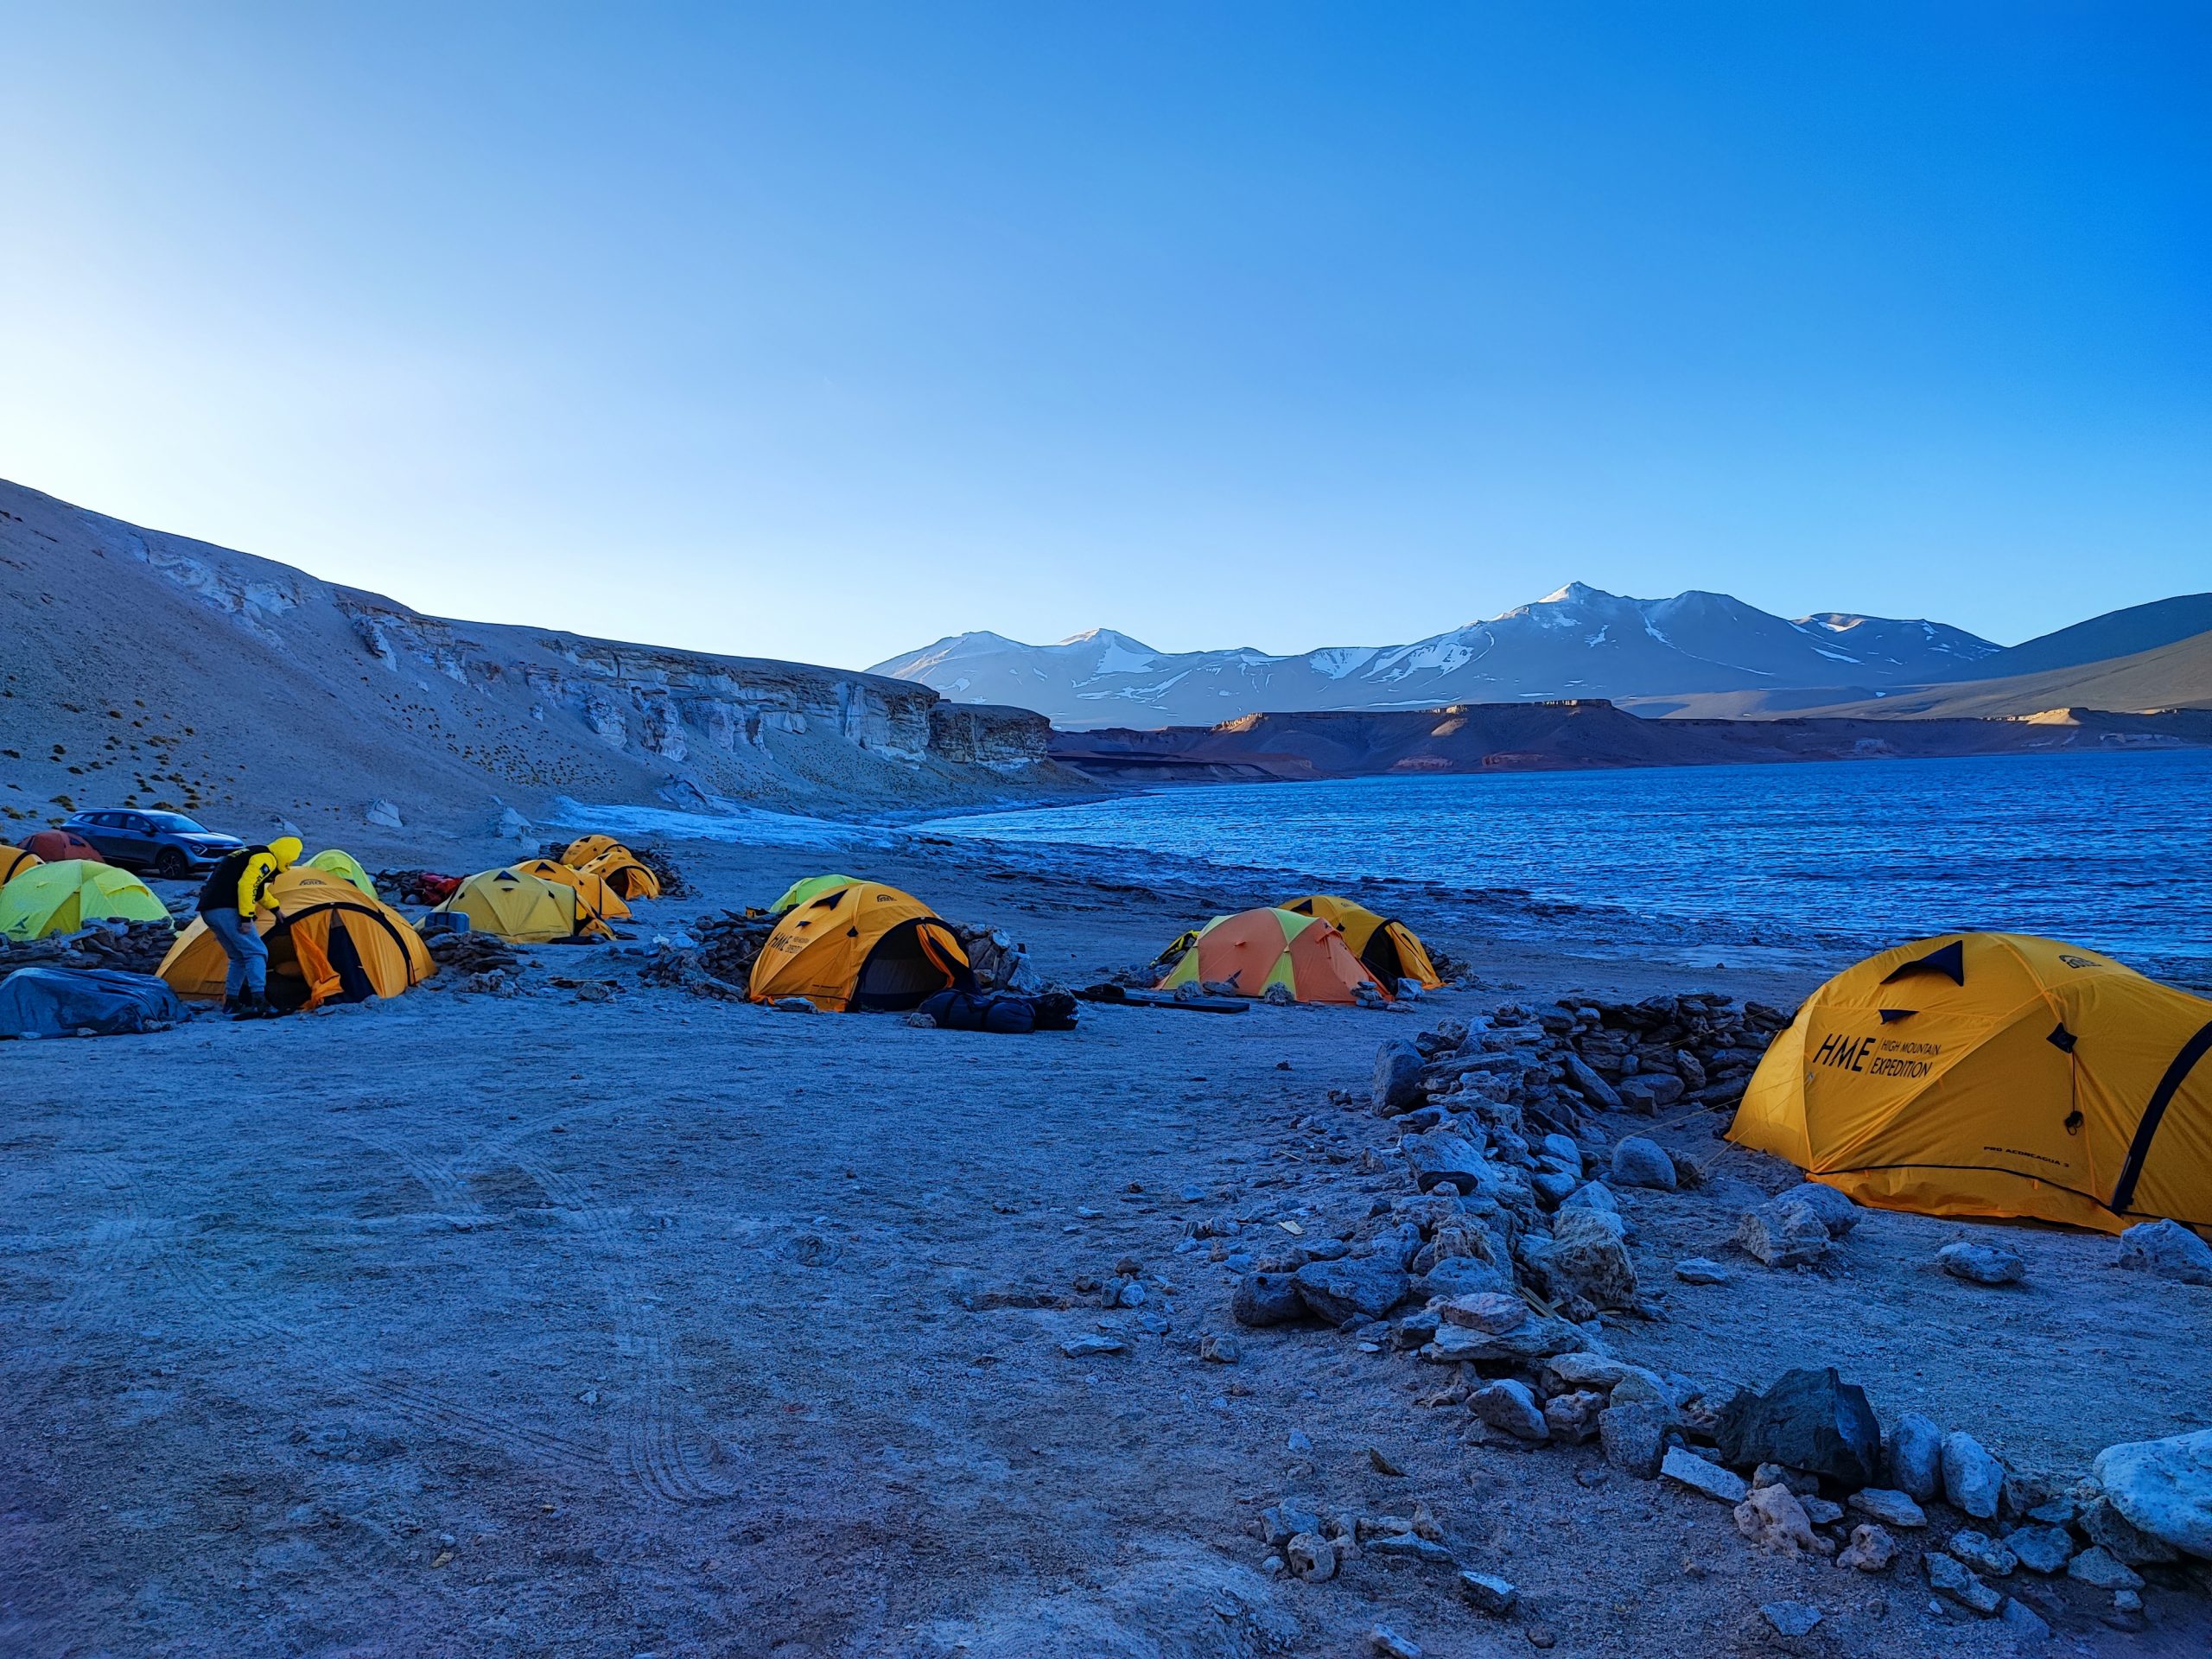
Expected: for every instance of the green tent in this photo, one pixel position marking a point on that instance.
(801, 892)
(333, 861)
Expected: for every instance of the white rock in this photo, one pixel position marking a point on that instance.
(382, 813)
(1972, 1479)
(1698, 1476)
(2169, 1249)
(1982, 1264)
(2164, 1487)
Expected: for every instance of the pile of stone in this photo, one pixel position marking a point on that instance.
(713, 957)
(471, 953)
(1000, 963)
(656, 859)
(125, 947)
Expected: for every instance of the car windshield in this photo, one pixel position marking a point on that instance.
(174, 821)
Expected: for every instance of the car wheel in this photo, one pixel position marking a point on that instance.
(172, 865)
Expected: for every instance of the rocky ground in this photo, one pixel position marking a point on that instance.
(562, 1309)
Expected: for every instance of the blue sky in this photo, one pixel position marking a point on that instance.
(823, 331)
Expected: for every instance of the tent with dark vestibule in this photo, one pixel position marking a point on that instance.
(1995, 1074)
(863, 947)
(624, 873)
(1257, 951)
(1391, 951)
(14, 861)
(327, 942)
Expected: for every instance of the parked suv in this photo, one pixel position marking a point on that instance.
(168, 843)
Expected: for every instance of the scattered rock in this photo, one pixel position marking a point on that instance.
(1871, 1549)
(1973, 1480)
(1487, 1594)
(1982, 1264)
(2168, 1249)
(383, 814)
(1090, 1347)
(1983, 1553)
(1312, 1557)
(1388, 1643)
(1508, 1405)
(2104, 1524)
(1772, 1518)
(2028, 1626)
(2042, 1548)
(1587, 1253)
(1952, 1580)
(1397, 1086)
(1633, 1437)
(1264, 1299)
(2163, 1488)
(1783, 1235)
(1220, 1348)
(1700, 1476)
(1912, 1458)
(1811, 1420)
(1572, 1417)
(1892, 1508)
(1641, 1162)
(1698, 1270)
(1383, 1462)
(1836, 1210)
(1359, 1288)
(1410, 1546)
(1286, 1520)
(2101, 1569)
(1791, 1617)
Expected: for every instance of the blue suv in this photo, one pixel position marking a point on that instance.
(168, 843)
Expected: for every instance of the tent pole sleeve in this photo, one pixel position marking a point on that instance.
(2145, 1131)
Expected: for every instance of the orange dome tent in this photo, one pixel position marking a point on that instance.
(623, 871)
(14, 861)
(1995, 1074)
(581, 851)
(1391, 951)
(1255, 951)
(862, 947)
(329, 942)
(55, 845)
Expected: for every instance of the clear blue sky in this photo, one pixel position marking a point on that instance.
(821, 331)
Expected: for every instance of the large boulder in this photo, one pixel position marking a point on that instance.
(1836, 1210)
(1783, 1235)
(2169, 1249)
(2163, 1488)
(1363, 1288)
(1810, 1421)
(1641, 1162)
(1588, 1254)
(1398, 1087)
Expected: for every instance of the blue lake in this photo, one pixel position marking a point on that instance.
(2111, 850)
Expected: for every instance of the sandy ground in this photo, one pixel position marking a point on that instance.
(658, 1325)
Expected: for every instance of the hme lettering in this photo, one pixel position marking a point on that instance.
(1847, 1053)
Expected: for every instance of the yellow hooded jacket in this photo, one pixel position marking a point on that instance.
(260, 866)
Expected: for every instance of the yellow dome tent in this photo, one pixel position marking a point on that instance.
(604, 901)
(622, 870)
(63, 896)
(1995, 1074)
(332, 861)
(525, 909)
(861, 947)
(581, 851)
(14, 861)
(1391, 951)
(1255, 951)
(812, 886)
(328, 941)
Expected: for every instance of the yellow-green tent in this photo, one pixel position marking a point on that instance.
(333, 861)
(63, 896)
(1995, 1074)
(811, 887)
(525, 908)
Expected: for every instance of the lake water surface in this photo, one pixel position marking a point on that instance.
(2110, 850)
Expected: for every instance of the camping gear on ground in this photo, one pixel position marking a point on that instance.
(623, 871)
(581, 851)
(1391, 951)
(605, 902)
(64, 895)
(327, 942)
(416, 887)
(1109, 992)
(524, 909)
(333, 861)
(955, 1010)
(1256, 950)
(1995, 1074)
(809, 887)
(56, 845)
(862, 947)
(14, 861)
(72, 1001)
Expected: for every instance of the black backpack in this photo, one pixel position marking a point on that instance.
(1012, 1016)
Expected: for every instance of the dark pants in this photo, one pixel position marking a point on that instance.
(248, 968)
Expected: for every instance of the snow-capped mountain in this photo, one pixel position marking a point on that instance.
(1579, 642)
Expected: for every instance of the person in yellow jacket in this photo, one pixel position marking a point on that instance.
(229, 902)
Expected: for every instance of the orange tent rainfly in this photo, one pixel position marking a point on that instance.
(623, 871)
(1256, 950)
(591, 888)
(14, 861)
(581, 851)
(861, 947)
(329, 942)
(1391, 951)
(1995, 1074)
(54, 845)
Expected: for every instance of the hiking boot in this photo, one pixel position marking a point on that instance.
(254, 1006)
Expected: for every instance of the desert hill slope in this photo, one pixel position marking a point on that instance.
(2178, 675)
(137, 667)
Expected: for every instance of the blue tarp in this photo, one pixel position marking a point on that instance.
(63, 1001)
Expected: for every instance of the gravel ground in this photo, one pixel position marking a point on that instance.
(472, 1325)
